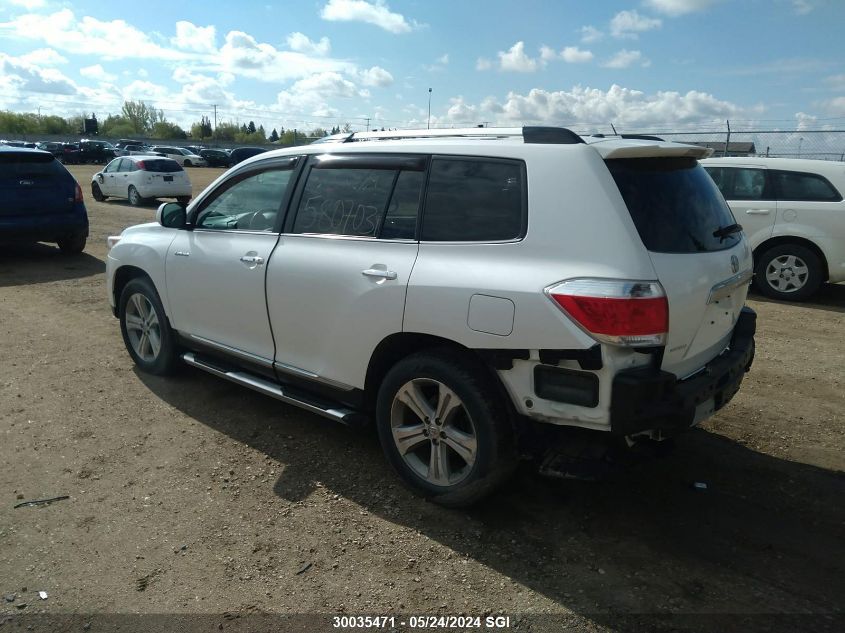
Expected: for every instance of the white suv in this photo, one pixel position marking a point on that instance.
(475, 292)
(793, 213)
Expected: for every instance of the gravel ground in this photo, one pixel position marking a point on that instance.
(195, 496)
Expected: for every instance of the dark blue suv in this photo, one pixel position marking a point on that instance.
(40, 201)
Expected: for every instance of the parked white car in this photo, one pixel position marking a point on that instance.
(793, 212)
(474, 292)
(140, 177)
(184, 157)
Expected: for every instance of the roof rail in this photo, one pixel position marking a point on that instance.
(637, 137)
(547, 135)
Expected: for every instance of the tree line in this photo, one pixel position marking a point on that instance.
(136, 118)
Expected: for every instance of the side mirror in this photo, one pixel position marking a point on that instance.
(172, 215)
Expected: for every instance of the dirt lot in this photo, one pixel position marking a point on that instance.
(193, 495)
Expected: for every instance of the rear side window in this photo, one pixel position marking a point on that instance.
(161, 165)
(674, 204)
(474, 200)
(792, 185)
(21, 165)
(741, 183)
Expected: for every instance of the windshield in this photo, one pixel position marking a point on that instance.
(674, 204)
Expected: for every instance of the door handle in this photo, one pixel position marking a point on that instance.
(253, 259)
(758, 212)
(375, 272)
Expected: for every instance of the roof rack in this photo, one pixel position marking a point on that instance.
(637, 137)
(530, 134)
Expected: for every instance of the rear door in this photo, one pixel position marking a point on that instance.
(750, 194)
(678, 213)
(337, 281)
(34, 183)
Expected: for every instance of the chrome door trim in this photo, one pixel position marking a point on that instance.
(310, 375)
(233, 351)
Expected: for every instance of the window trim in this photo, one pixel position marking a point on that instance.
(777, 189)
(358, 160)
(523, 231)
(294, 163)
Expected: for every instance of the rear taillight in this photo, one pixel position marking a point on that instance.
(141, 165)
(78, 196)
(619, 312)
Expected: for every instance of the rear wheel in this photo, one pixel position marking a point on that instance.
(96, 192)
(444, 427)
(183, 199)
(145, 328)
(789, 272)
(72, 244)
(187, 163)
(135, 198)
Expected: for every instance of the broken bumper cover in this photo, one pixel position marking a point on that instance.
(652, 399)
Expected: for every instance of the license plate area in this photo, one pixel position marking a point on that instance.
(168, 179)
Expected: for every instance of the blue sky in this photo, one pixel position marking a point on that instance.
(640, 64)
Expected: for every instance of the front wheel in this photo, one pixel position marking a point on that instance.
(789, 272)
(183, 199)
(145, 328)
(97, 193)
(135, 198)
(445, 428)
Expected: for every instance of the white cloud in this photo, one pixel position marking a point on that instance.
(834, 107)
(624, 59)
(630, 24)
(515, 60)
(44, 57)
(836, 82)
(303, 44)
(21, 75)
(802, 7)
(574, 55)
(482, 63)
(191, 37)
(375, 76)
(443, 59)
(675, 8)
(376, 13)
(547, 54)
(97, 72)
(590, 34)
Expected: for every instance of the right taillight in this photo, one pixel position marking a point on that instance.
(619, 312)
(141, 165)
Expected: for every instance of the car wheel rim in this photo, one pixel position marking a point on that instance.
(433, 432)
(142, 327)
(133, 196)
(787, 273)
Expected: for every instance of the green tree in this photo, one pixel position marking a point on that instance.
(141, 116)
(226, 132)
(166, 129)
(251, 127)
(274, 136)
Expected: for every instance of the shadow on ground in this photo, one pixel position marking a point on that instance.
(23, 264)
(829, 297)
(762, 548)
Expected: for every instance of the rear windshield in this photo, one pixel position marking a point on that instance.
(16, 165)
(161, 165)
(675, 205)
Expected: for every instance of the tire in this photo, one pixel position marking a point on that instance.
(97, 193)
(187, 163)
(72, 244)
(143, 323)
(478, 426)
(183, 199)
(135, 198)
(788, 272)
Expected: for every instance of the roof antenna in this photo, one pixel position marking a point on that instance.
(614, 130)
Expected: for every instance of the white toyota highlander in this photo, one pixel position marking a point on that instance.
(476, 293)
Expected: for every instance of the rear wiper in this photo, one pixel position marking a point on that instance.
(723, 231)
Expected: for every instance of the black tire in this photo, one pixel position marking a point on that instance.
(165, 361)
(187, 163)
(135, 198)
(183, 199)
(72, 244)
(97, 193)
(484, 409)
(776, 261)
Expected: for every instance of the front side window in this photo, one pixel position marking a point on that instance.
(112, 166)
(795, 186)
(474, 200)
(345, 202)
(248, 202)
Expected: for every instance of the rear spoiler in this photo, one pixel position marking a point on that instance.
(644, 149)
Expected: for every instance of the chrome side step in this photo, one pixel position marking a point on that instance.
(338, 414)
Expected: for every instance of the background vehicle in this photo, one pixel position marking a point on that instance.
(420, 282)
(71, 154)
(792, 211)
(216, 157)
(40, 200)
(96, 151)
(140, 177)
(242, 153)
(184, 157)
(55, 148)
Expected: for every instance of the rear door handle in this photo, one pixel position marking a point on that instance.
(375, 272)
(253, 259)
(758, 212)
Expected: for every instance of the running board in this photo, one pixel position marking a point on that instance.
(268, 388)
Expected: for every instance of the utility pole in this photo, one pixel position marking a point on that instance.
(727, 140)
(368, 124)
(215, 121)
(429, 109)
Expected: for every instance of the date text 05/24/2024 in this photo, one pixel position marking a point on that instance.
(498, 623)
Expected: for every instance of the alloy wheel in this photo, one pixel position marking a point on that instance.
(143, 327)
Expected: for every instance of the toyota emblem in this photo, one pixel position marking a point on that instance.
(734, 263)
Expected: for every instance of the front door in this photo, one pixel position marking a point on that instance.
(216, 270)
